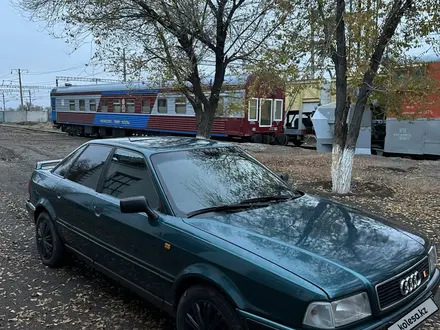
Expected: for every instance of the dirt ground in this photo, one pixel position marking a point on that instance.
(76, 297)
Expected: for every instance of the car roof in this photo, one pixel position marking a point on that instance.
(156, 144)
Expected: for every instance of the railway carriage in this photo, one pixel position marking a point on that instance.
(136, 108)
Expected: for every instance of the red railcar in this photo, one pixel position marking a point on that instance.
(132, 108)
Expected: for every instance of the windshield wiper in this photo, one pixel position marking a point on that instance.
(244, 204)
(275, 198)
(224, 207)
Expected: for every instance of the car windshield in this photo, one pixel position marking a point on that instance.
(203, 178)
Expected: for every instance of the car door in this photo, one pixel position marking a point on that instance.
(75, 193)
(131, 242)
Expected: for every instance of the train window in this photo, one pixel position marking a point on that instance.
(104, 106)
(253, 106)
(130, 106)
(146, 106)
(278, 111)
(92, 105)
(72, 105)
(82, 105)
(180, 105)
(162, 106)
(116, 105)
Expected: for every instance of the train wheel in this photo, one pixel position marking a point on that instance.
(257, 138)
(297, 143)
(282, 139)
(266, 139)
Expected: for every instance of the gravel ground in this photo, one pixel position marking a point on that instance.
(77, 297)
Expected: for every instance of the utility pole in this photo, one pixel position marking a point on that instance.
(125, 65)
(20, 71)
(4, 103)
(30, 100)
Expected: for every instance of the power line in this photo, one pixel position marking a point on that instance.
(25, 87)
(55, 71)
(9, 90)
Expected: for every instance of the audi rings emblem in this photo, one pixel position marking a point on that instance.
(410, 283)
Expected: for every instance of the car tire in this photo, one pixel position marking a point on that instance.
(208, 301)
(49, 245)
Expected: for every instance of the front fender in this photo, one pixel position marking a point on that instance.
(211, 274)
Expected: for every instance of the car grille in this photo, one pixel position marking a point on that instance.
(388, 292)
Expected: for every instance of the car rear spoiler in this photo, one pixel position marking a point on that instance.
(47, 164)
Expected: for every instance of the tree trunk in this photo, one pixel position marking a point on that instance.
(205, 118)
(342, 157)
(342, 166)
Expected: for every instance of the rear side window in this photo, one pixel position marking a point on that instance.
(62, 168)
(128, 176)
(88, 166)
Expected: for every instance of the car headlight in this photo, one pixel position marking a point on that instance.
(432, 259)
(330, 315)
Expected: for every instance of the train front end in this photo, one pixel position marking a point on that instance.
(264, 115)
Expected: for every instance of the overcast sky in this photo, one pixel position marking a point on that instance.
(26, 45)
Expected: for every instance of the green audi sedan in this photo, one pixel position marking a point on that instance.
(206, 232)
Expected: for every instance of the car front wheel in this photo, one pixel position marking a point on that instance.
(205, 308)
(49, 245)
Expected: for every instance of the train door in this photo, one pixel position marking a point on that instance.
(53, 110)
(266, 111)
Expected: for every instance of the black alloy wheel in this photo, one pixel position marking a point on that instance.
(205, 308)
(44, 240)
(49, 244)
(204, 315)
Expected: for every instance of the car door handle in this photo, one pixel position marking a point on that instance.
(98, 210)
(58, 195)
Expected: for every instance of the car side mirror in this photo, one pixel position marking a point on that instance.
(284, 177)
(135, 205)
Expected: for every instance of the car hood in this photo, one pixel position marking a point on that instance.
(337, 248)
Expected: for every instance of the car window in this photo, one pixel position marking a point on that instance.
(88, 167)
(128, 176)
(202, 178)
(62, 168)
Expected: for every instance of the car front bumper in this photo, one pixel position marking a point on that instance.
(30, 208)
(256, 322)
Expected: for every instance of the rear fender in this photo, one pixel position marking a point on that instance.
(209, 274)
(44, 205)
